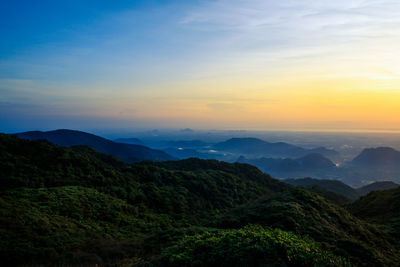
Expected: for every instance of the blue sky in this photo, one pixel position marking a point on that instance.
(201, 64)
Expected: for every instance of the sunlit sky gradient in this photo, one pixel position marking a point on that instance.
(226, 64)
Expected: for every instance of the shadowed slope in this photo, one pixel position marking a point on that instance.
(126, 152)
(306, 213)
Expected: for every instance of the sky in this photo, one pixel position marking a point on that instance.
(223, 64)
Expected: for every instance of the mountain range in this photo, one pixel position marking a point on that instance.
(384, 185)
(380, 157)
(134, 141)
(335, 186)
(358, 172)
(255, 146)
(341, 188)
(77, 206)
(126, 152)
(285, 167)
(185, 153)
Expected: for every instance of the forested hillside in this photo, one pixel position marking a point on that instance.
(381, 207)
(74, 205)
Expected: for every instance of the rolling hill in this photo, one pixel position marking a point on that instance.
(134, 141)
(306, 213)
(381, 157)
(329, 195)
(126, 152)
(380, 207)
(77, 206)
(254, 146)
(331, 185)
(384, 185)
(249, 246)
(308, 165)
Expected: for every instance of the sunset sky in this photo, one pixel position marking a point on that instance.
(226, 64)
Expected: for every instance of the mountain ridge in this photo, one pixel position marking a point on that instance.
(380, 157)
(260, 147)
(85, 207)
(381, 185)
(282, 167)
(335, 186)
(126, 152)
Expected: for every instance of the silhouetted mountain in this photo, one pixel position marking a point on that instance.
(384, 185)
(331, 185)
(126, 152)
(256, 146)
(315, 161)
(307, 164)
(381, 157)
(134, 141)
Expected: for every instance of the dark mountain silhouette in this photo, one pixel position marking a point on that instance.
(126, 152)
(381, 157)
(134, 141)
(331, 185)
(384, 185)
(256, 146)
(309, 163)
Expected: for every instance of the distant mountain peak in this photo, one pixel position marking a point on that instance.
(379, 157)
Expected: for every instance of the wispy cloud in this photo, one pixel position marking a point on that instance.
(256, 25)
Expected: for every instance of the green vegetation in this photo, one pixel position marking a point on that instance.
(188, 190)
(380, 207)
(68, 206)
(305, 213)
(43, 223)
(329, 195)
(334, 186)
(249, 246)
